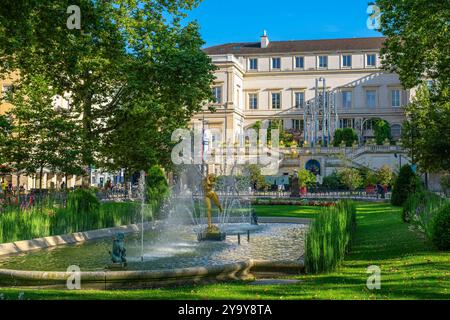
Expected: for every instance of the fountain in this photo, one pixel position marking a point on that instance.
(198, 237)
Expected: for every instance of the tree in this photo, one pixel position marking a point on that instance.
(417, 41)
(417, 48)
(382, 131)
(384, 175)
(42, 136)
(426, 133)
(347, 135)
(351, 178)
(406, 184)
(127, 52)
(256, 178)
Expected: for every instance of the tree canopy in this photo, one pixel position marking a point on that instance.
(130, 60)
(418, 49)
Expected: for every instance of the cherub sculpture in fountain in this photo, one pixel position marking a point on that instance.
(118, 253)
(212, 232)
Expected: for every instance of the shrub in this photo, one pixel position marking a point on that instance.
(440, 230)
(351, 178)
(406, 184)
(332, 181)
(445, 183)
(329, 237)
(347, 135)
(306, 178)
(418, 203)
(157, 189)
(384, 175)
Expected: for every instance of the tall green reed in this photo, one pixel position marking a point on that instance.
(330, 237)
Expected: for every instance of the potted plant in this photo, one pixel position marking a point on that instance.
(305, 179)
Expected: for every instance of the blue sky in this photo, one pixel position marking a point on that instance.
(225, 21)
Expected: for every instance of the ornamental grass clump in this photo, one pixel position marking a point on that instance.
(329, 237)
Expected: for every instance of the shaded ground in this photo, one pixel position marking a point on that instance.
(411, 268)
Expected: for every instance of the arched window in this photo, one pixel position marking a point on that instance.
(396, 131)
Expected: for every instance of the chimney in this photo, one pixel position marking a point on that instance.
(264, 40)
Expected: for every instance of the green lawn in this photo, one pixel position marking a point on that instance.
(411, 268)
(286, 211)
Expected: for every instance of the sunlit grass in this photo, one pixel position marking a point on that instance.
(411, 269)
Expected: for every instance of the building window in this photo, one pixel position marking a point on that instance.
(253, 64)
(395, 98)
(253, 101)
(371, 98)
(346, 123)
(276, 63)
(217, 93)
(347, 61)
(299, 62)
(347, 99)
(323, 61)
(371, 60)
(297, 125)
(276, 100)
(299, 99)
(396, 131)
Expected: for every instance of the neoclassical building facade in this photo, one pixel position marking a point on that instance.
(265, 80)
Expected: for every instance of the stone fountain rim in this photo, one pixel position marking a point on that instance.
(104, 280)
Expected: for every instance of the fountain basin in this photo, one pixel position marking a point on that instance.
(275, 247)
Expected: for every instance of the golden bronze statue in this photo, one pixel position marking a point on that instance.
(211, 195)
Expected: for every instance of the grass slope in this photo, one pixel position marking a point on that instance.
(411, 269)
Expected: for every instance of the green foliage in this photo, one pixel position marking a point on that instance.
(333, 181)
(49, 220)
(440, 230)
(418, 203)
(431, 214)
(135, 59)
(157, 189)
(426, 133)
(445, 183)
(347, 136)
(384, 175)
(257, 180)
(351, 178)
(406, 184)
(382, 131)
(306, 178)
(417, 48)
(418, 35)
(368, 176)
(82, 201)
(329, 237)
